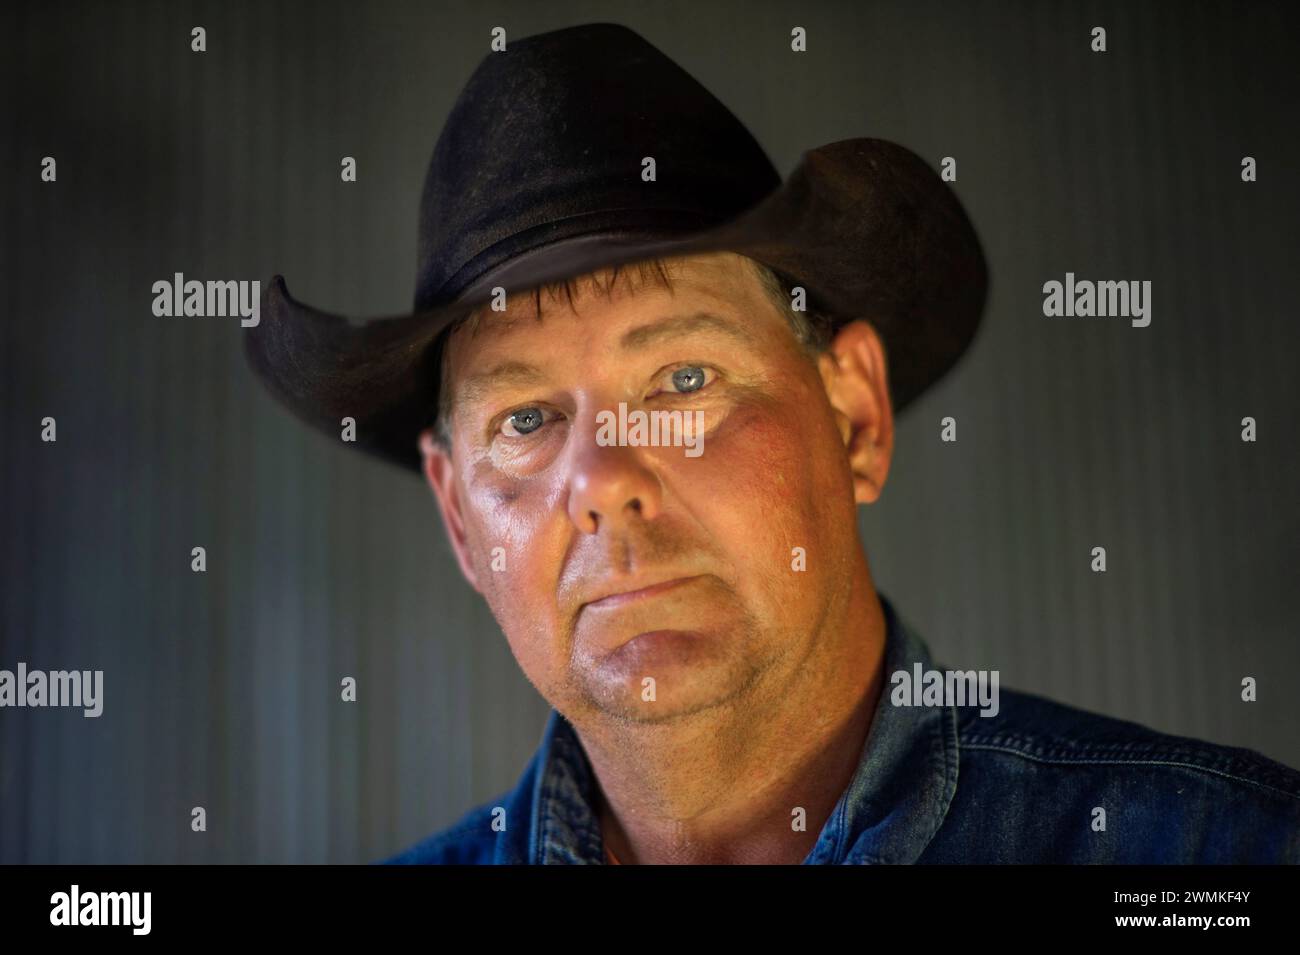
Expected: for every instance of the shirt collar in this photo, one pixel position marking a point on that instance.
(889, 812)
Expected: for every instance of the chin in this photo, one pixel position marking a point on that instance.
(629, 707)
(667, 674)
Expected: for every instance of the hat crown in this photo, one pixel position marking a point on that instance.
(547, 140)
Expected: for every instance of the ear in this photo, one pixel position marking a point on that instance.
(854, 373)
(440, 473)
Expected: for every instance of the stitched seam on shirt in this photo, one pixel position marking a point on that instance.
(1173, 748)
(1131, 762)
(538, 850)
(1170, 745)
(841, 829)
(544, 840)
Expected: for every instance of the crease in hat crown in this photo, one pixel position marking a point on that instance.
(542, 142)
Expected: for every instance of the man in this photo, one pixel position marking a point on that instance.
(691, 595)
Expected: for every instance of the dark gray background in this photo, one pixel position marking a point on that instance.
(222, 689)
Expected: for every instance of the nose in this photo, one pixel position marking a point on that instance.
(609, 486)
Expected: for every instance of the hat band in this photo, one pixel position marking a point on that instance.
(568, 257)
(525, 258)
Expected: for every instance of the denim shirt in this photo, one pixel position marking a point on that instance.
(945, 784)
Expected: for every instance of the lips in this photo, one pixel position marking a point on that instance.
(631, 592)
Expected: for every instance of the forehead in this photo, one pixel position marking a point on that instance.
(608, 301)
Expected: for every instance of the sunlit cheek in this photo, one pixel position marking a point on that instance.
(755, 488)
(756, 450)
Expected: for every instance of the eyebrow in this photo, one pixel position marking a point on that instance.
(477, 387)
(681, 326)
(519, 374)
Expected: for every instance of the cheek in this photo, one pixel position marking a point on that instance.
(508, 538)
(507, 513)
(773, 478)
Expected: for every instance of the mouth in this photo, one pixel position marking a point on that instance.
(625, 597)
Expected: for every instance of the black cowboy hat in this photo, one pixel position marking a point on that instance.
(537, 176)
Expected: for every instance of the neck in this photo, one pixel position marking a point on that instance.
(727, 787)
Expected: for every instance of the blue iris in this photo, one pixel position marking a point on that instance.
(526, 420)
(689, 379)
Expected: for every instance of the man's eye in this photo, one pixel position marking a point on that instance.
(689, 378)
(522, 422)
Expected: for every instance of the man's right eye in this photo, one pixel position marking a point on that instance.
(522, 422)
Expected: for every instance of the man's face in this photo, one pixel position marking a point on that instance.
(608, 566)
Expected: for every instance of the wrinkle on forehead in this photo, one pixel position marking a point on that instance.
(609, 283)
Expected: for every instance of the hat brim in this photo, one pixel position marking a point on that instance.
(865, 225)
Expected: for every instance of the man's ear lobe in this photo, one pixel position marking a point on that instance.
(440, 475)
(857, 385)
